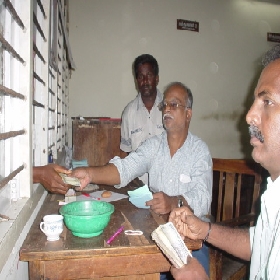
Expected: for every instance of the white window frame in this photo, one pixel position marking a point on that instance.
(42, 114)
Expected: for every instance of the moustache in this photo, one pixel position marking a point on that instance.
(166, 115)
(255, 132)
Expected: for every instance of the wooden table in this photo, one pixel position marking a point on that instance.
(71, 257)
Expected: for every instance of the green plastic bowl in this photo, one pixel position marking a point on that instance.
(87, 218)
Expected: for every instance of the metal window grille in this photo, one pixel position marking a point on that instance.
(35, 66)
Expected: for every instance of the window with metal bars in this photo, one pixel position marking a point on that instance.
(15, 110)
(35, 66)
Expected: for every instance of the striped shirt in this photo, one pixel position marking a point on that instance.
(187, 173)
(265, 236)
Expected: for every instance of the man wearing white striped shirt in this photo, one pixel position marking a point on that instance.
(179, 163)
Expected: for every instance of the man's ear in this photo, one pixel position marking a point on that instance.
(157, 79)
(189, 114)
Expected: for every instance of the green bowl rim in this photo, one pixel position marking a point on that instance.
(82, 201)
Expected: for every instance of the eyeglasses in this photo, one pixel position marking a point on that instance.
(172, 105)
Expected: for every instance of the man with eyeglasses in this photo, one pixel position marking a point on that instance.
(141, 118)
(179, 164)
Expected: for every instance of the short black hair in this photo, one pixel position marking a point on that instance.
(271, 55)
(145, 58)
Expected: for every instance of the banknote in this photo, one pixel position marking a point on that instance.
(171, 243)
(70, 180)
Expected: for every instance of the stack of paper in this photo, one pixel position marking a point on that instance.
(171, 243)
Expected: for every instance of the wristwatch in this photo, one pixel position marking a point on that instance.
(180, 202)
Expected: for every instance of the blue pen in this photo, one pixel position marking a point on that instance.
(114, 235)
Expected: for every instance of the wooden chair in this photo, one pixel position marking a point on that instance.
(236, 189)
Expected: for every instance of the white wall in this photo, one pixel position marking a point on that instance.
(219, 64)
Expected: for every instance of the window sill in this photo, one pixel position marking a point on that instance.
(13, 232)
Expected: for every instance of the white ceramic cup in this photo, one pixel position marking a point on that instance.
(52, 226)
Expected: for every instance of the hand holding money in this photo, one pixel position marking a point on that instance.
(48, 176)
(84, 175)
(70, 180)
(171, 243)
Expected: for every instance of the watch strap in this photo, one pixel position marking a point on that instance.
(180, 202)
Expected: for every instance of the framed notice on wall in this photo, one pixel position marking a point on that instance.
(273, 37)
(189, 25)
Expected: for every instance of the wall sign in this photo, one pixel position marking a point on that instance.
(183, 24)
(273, 37)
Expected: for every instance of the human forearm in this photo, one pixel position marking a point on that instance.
(107, 174)
(38, 172)
(232, 240)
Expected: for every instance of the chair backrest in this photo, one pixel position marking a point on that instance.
(236, 188)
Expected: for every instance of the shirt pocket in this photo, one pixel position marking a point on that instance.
(185, 178)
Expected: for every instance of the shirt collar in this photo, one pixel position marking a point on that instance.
(273, 187)
(271, 183)
(140, 103)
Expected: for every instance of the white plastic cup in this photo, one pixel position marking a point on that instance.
(52, 226)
